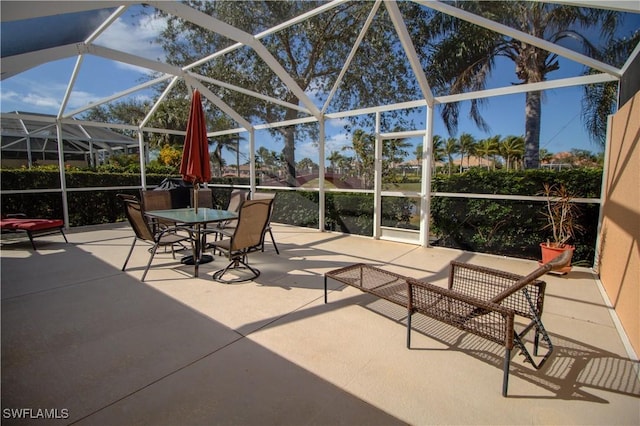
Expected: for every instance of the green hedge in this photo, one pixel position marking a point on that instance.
(502, 227)
(506, 227)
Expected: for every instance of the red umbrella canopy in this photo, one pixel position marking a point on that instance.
(195, 156)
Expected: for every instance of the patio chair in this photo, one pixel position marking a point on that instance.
(226, 228)
(19, 222)
(268, 196)
(156, 200)
(144, 232)
(248, 236)
(205, 198)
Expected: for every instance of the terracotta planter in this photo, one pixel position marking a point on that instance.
(550, 252)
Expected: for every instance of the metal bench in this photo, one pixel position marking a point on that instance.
(478, 300)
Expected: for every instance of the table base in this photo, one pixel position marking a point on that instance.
(188, 260)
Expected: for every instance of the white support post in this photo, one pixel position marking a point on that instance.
(425, 187)
(142, 156)
(252, 159)
(63, 179)
(321, 174)
(377, 197)
(29, 156)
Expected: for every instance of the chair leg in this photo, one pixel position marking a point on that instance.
(235, 264)
(274, 242)
(129, 255)
(153, 253)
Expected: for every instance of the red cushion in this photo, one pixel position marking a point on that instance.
(31, 224)
(9, 223)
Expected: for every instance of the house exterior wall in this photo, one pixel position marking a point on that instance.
(619, 249)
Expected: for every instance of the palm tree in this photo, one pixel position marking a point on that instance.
(266, 159)
(466, 145)
(511, 148)
(546, 156)
(230, 143)
(335, 159)
(486, 148)
(363, 144)
(462, 55)
(437, 152)
(450, 148)
(599, 100)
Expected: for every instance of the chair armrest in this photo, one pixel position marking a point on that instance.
(488, 284)
(480, 317)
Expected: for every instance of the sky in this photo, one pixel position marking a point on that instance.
(41, 89)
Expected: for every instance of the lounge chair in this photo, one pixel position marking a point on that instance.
(32, 227)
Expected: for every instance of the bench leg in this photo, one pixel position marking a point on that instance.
(410, 314)
(325, 289)
(31, 239)
(45, 232)
(505, 379)
(64, 236)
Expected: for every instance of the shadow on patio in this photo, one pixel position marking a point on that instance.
(79, 334)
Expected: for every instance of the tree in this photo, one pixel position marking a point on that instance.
(546, 156)
(173, 114)
(170, 156)
(487, 148)
(266, 159)
(462, 55)
(229, 142)
(466, 145)
(393, 152)
(363, 145)
(600, 100)
(335, 158)
(306, 165)
(511, 148)
(437, 152)
(312, 53)
(450, 148)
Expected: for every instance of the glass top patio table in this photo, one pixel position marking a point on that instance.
(189, 216)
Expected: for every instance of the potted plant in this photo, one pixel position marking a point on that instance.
(561, 214)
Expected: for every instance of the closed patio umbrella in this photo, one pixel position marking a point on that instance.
(195, 157)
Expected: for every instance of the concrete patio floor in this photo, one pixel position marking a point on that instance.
(94, 343)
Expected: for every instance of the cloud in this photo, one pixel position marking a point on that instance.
(41, 101)
(135, 35)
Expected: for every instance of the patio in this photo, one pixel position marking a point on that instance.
(80, 335)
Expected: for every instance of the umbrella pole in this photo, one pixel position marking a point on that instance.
(195, 196)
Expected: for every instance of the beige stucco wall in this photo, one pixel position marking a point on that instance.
(619, 261)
